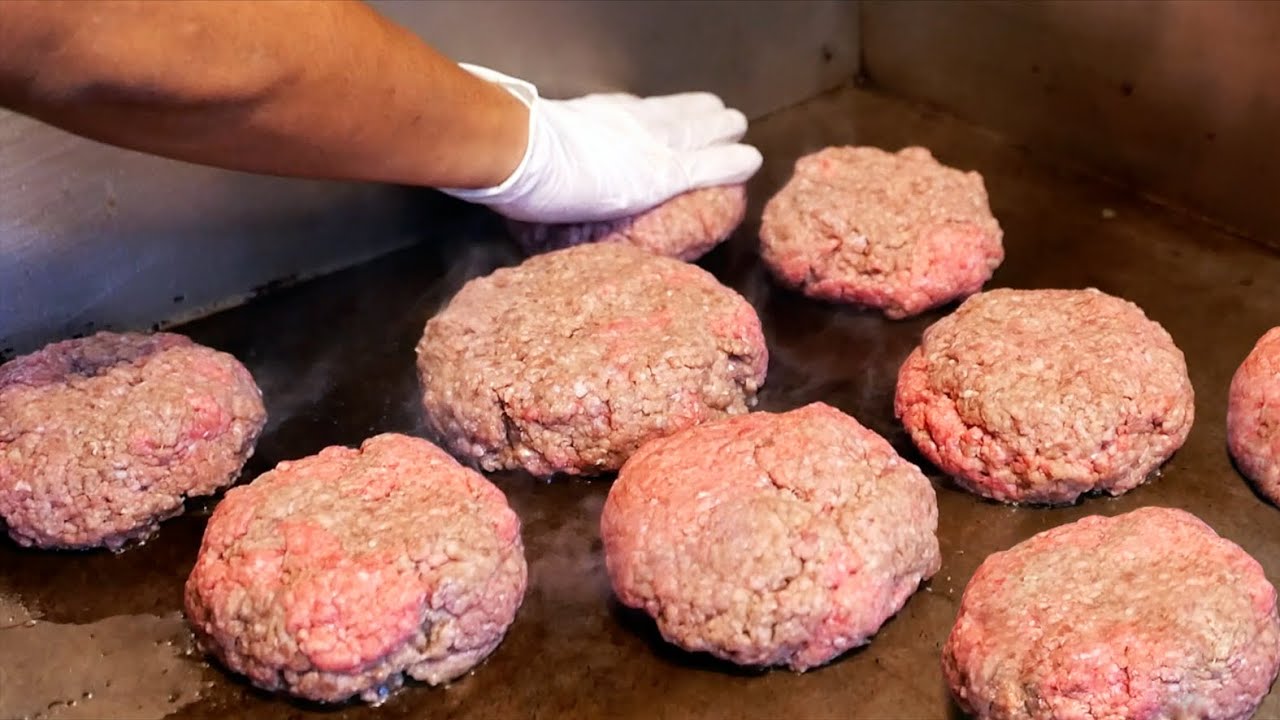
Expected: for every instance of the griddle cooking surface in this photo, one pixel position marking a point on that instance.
(335, 360)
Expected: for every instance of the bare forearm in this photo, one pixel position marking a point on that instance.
(312, 89)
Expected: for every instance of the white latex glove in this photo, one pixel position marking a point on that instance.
(601, 157)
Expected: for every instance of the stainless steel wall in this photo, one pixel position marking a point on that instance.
(759, 54)
(93, 236)
(1178, 99)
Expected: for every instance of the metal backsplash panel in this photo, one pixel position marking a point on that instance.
(96, 237)
(760, 56)
(1176, 99)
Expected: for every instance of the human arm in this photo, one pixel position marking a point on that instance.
(333, 90)
(310, 89)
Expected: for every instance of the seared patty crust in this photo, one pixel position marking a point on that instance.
(1253, 416)
(1040, 396)
(770, 539)
(686, 227)
(103, 437)
(1142, 616)
(570, 361)
(900, 231)
(338, 574)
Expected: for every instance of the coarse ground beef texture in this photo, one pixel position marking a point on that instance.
(1040, 396)
(1253, 416)
(770, 539)
(103, 437)
(685, 227)
(338, 574)
(896, 231)
(1142, 616)
(570, 361)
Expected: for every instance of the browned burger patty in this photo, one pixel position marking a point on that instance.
(338, 574)
(570, 361)
(1040, 396)
(1253, 416)
(685, 227)
(770, 539)
(1144, 616)
(103, 437)
(896, 231)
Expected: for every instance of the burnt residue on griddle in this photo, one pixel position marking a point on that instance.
(273, 286)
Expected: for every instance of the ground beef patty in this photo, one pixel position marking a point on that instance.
(895, 231)
(770, 539)
(338, 574)
(1253, 416)
(1040, 396)
(570, 361)
(1142, 616)
(103, 437)
(685, 227)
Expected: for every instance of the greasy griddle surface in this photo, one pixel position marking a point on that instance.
(335, 361)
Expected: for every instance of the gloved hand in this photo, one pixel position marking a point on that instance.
(601, 157)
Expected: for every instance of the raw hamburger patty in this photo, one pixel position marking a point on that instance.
(340, 573)
(1040, 396)
(770, 539)
(685, 227)
(1142, 616)
(895, 231)
(103, 437)
(1253, 416)
(570, 361)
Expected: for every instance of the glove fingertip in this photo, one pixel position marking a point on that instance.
(734, 125)
(722, 165)
(725, 164)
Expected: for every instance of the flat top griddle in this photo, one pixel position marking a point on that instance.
(335, 360)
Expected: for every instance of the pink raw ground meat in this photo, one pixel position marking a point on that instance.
(103, 437)
(570, 361)
(770, 539)
(1253, 416)
(338, 574)
(895, 231)
(1040, 396)
(685, 227)
(1145, 616)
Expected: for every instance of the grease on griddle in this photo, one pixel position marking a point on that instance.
(139, 667)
